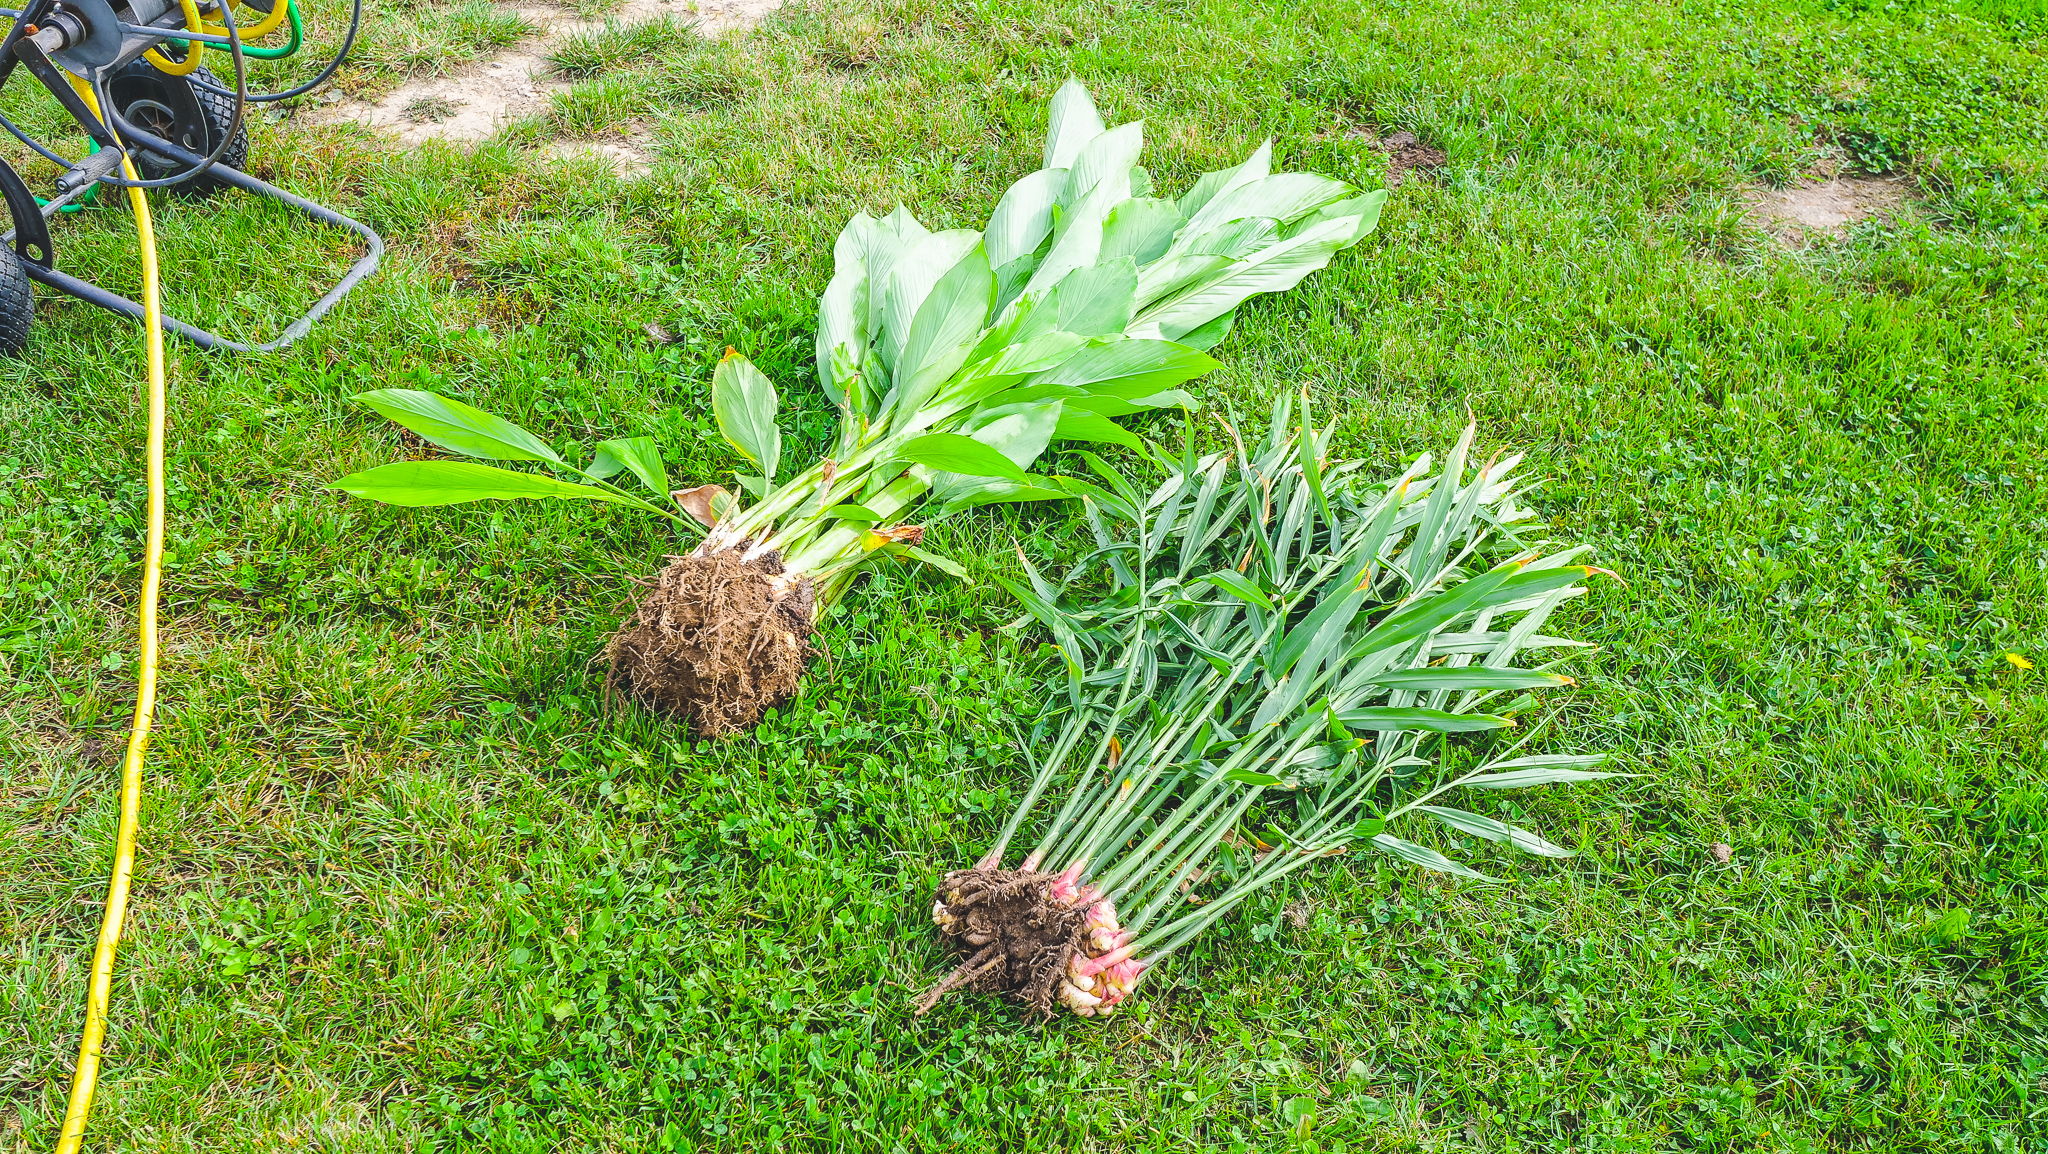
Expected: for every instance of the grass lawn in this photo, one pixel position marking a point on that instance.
(408, 883)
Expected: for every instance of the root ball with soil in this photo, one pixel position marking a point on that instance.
(1040, 938)
(718, 640)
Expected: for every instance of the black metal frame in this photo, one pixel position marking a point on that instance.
(30, 237)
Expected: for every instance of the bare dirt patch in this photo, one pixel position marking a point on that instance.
(1799, 213)
(1406, 153)
(473, 103)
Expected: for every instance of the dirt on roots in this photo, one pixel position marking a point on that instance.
(1018, 938)
(719, 639)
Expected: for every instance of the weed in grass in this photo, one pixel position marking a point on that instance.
(585, 54)
(431, 109)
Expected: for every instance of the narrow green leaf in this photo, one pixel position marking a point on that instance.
(1523, 778)
(420, 483)
(458, 427)
(1248, 777)
(1239, 586)
(743, 401)
(1467, 677)
(1554, 761)
(1399, 720)
(1492, 830)
(944, 565)
(853, 513)
(1425, 857)
(1497, 586)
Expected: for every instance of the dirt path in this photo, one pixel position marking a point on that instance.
(473, 102)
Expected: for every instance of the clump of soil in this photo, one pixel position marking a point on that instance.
(1797, 213)
(1407, 152)
(1018, 937)
(717, 641)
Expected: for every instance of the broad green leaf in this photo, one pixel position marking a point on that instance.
(1023, 218)
(1106, 163)
(842, 339)
(1082, 425)
(1214, 184)
(1362, 211)
(1074, 123)
(1466, 677)
(1397, 720)
(638, 454)
(1094, 302)
(1114, 406)
(911, 279)
(1140, 229)
(1210, 334)
(1492, 830)
(954, 453)
(1236, 238)
(1020, 433)
(458, 427)
(1077, 238)
(1283, 197)
(946, 327)
(1425, 857)
(885, 243)
(1276, 268)
(1175, 273)
(1130, 368)
(743, 401)
(853, 513)
(421, 483)
(975, 492)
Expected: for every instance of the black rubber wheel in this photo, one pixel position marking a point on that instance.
(17, 304)
(179, 111)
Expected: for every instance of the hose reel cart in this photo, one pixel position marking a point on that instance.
(129, 73)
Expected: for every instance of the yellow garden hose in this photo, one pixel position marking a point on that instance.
(93, 1037)
(193, 51)
(271, 22)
